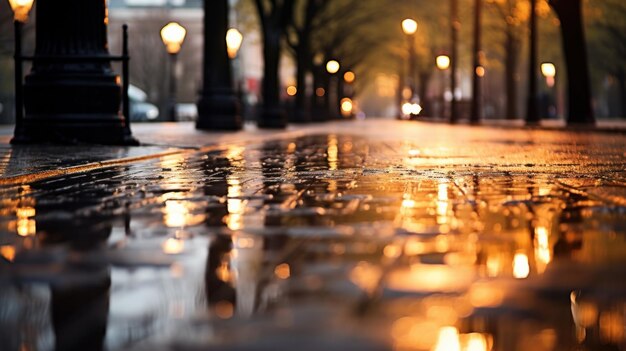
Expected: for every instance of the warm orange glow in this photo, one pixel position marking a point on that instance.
(392, 251)
(282, 271)
(443, 62)
(476, 342)
(332, 66)
(173, 246)
(409, 26)
(333, 152)
(346, 106)
(448, 340)
(521, 267)
(366, 276)
(173, 35)
(176, 213)
(25, 225)
(320, 92)
(480, 71)
(21, 8)
(224, 309)
(223, 271)
(548, 69)
(8, 252)
(235, 205)
(349, 77)
(542, 248)
(234, 38)
(292, 90)
(485, 295)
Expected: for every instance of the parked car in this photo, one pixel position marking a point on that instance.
(140, 108)
(186, 112)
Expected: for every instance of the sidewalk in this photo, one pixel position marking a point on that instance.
(359, 235)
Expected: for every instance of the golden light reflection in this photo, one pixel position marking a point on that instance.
(414, 333)
(24, 224)
(223, 271)
(584, 313)
(178, 213)
(442, 203)
(333, 152)
(494, 265)
(235, 205)
(282, 271)
(8, 252)
(448, 339)
(224, 309)
(611, 327)
(485, 295)
(366, 276)
(521, 266)
(476, 342)
(542, 248)
(173, 246)
(431, 278)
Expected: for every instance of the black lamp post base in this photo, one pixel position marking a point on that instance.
(272, 118)
(74, 129)
(219, 112)
(300, 116)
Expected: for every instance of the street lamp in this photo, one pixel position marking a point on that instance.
(173, 35)
(234, 38)
(332, 66)
(443, 63)
(549, 71)
(409, 27)
(20, 8)
(349, 77)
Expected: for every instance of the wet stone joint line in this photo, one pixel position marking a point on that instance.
(324, 242)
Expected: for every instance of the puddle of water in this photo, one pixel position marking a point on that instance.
(384, 245)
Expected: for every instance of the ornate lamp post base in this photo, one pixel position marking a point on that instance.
(219, 112)
(272, 118)
(72, 94)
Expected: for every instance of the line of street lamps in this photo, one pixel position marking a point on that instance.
(444, 62)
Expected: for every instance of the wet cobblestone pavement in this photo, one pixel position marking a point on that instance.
(431, 238)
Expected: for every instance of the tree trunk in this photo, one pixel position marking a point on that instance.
(399, 92)
(621, 81)
(510, 79)
(575, 51)
(272, 115)
(425, 102)
(302, 113)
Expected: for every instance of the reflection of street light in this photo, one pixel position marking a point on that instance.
(173, 35)
(332, 66)
(234, 38)
(21, 8)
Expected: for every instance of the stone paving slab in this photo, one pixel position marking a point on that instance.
(375, 235)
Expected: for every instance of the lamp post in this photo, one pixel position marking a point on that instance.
(21, 9)
(409, 27)
(532, 110)
(234, 38)
(548, 70)
(72, 94)
(173, 36)
(455, 26)
(443, 63)
(218, 106)
(479, 70)
(332, 67)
